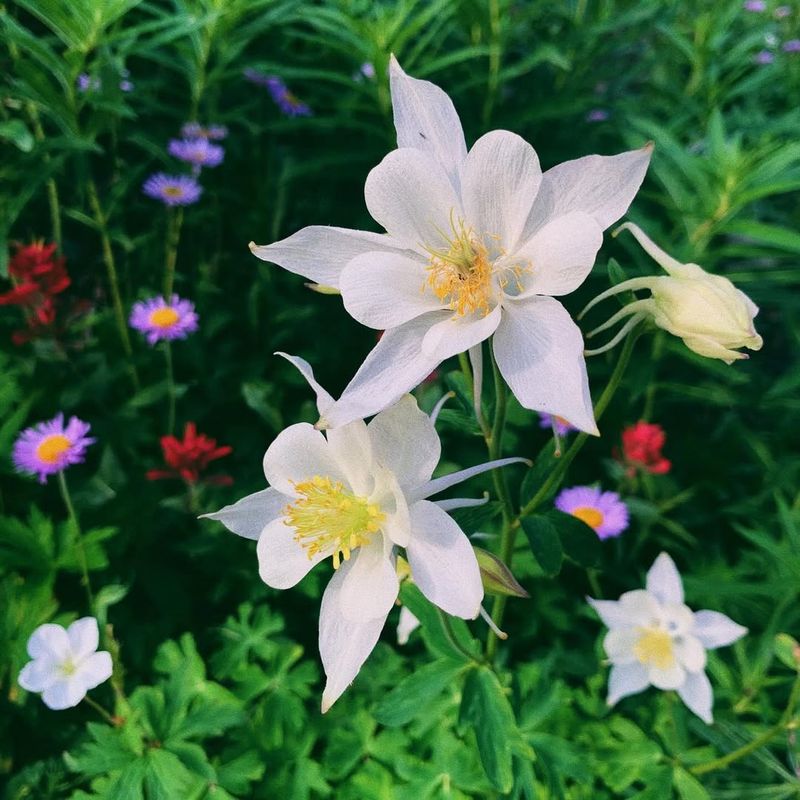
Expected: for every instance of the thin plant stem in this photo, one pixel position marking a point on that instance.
(52, 187)
(495, 54)
(113, 280)
(171, 253)
(109, 718)
(62, 485)
(170, 388)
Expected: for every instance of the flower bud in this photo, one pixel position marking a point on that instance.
(707, 311)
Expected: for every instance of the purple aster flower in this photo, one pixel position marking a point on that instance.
(781, 12)
(756, 6)
(288, 103)
(158, 319)
(603, 511)
(256, 77)
(367, 69)
(173, 190)
(764, 57)
(561, 425)
(792, 46)
(198, 152)
(87, 83)
(597, 115)
(194, 130)
(126, 86)
(49, 447)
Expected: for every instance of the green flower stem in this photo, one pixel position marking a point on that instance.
(113, 281)
(171, 254)
(510, 530)
(52, 188)
(170, 388)
(495, 54)
(785, 723)
(109, 718)
(62, 485)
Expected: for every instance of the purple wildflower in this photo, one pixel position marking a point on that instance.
(49, 447)
(792, 46)
(87, 83)
(194, 130)
(764, 57)
(781, 12)
(173, 190)
(603, 511)
(367, 69)
(562, 426)
(198, 152)
(756, 6)
(288, 103)
(597, 115)
(158, 319)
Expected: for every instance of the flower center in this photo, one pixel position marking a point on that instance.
(164, 317)
(591, 516)
(327, 517)
(67, 668)
(173, 191)
(460, 274)
(654, 649)
(52, 448)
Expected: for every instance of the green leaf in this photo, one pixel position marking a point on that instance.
(687, 786)
(536, 476)
(485, 706)
(579, 541)
(787, 650)
(16, 132)
(545, 543)
(410, 698)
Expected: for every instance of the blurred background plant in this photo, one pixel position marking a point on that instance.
(220, 688)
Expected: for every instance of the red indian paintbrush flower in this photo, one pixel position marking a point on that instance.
(187, 459)
(36, 274)
(641, 445)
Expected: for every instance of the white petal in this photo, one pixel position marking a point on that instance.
(453, 503)
(405, 441)
(559, 256)
(601, 186)
(426, 119)
(84, 636)
(619, 643)
(95, 670)
(539, 351)
(670, 678)
(691, 653)
(320, 253)
(324, 400)
(343, 644)
(611, 612)
(390, 497)
(283, 562)
(351, 448)
(394, 367)
(664, 581)
(406, 625)
(409, 194)
(456, 335)
(499, 182)
(716, 630)
(371, 586)
(624, 680)
(384, 290)
(299, 453)
(248, 517)
(442, 561)
(640, 609)
(49, 640)
(37, 675)
(697, 694)
(65, 693)
(446, 481)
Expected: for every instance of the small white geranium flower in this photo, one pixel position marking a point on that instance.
(477, 244)
(356, 496)
(66, 663)
(654, 639)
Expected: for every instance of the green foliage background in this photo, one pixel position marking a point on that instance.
(221, 682)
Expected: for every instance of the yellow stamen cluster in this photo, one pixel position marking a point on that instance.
(591, 516)
(164, 317)
(52, 448)
(655, 649)
(461, 274)
(327, 517)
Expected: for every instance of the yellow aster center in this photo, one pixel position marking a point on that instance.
(591, 516)
(173, 191)
(461, 274)
(164, 317)
(327, 518)
(52, 448)
(655, 649)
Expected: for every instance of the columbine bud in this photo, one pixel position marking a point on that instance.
(707, 311)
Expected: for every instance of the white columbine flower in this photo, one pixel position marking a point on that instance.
(66, 663)
(478, 244)
(356, 496)
(655, 639)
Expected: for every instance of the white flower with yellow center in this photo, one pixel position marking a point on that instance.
(356, 496)
(655, 639)
(477, 244)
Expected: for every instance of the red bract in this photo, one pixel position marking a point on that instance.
(641, 446)
(188, 458)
